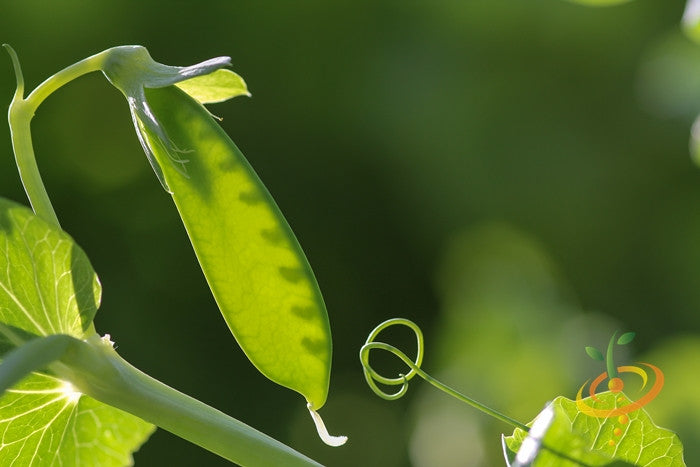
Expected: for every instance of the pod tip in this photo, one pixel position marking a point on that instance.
(330, 440)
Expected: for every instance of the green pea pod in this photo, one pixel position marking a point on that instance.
(255, 267)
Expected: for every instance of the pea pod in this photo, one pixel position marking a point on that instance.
(255, 267)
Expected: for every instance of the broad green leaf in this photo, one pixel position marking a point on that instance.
(626, 338)
(48, 287)
(218, 86)
(594, 353)
(45, 423)
(31, 356)
(575, 438)
(678, 405)
(255, 267)
(533, 449)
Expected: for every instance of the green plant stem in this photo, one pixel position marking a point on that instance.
(26, 163)
(372, 377)
(98, 371)
(364, 357)
(20, 115)
(476, 404)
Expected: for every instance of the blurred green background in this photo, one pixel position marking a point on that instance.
(513, 176)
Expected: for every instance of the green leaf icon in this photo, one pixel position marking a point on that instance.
(626, 338)
(48, 287)
(594, 353)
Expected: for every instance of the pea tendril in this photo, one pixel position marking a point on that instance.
(373, 377)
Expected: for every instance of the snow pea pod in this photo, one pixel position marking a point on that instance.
(253, 263)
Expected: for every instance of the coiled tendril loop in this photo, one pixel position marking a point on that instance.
(373, 377)
(371, 374)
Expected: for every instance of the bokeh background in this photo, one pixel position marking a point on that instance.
(513, 176)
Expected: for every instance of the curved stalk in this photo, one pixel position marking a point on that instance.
(20, 115)
(98, 371)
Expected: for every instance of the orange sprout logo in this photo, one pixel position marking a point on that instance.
(616, 384)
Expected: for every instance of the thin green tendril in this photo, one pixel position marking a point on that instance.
(372, 377)
(19, 92)
(20, 115)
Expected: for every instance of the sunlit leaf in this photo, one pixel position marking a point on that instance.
(575, 438)
(215, 87)
(33, 355)
(47, 286)
(45, 423)
(255, 267)
(679, 405)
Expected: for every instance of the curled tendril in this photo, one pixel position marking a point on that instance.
(373, 377)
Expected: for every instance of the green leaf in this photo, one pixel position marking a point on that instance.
(575, 438)
(218, 86)
(44, 422)
(254, 265)
(34, 355)
(594, 353)
(626, 338)
(48, 287)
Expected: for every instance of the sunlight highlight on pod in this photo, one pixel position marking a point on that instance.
(616, 384)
